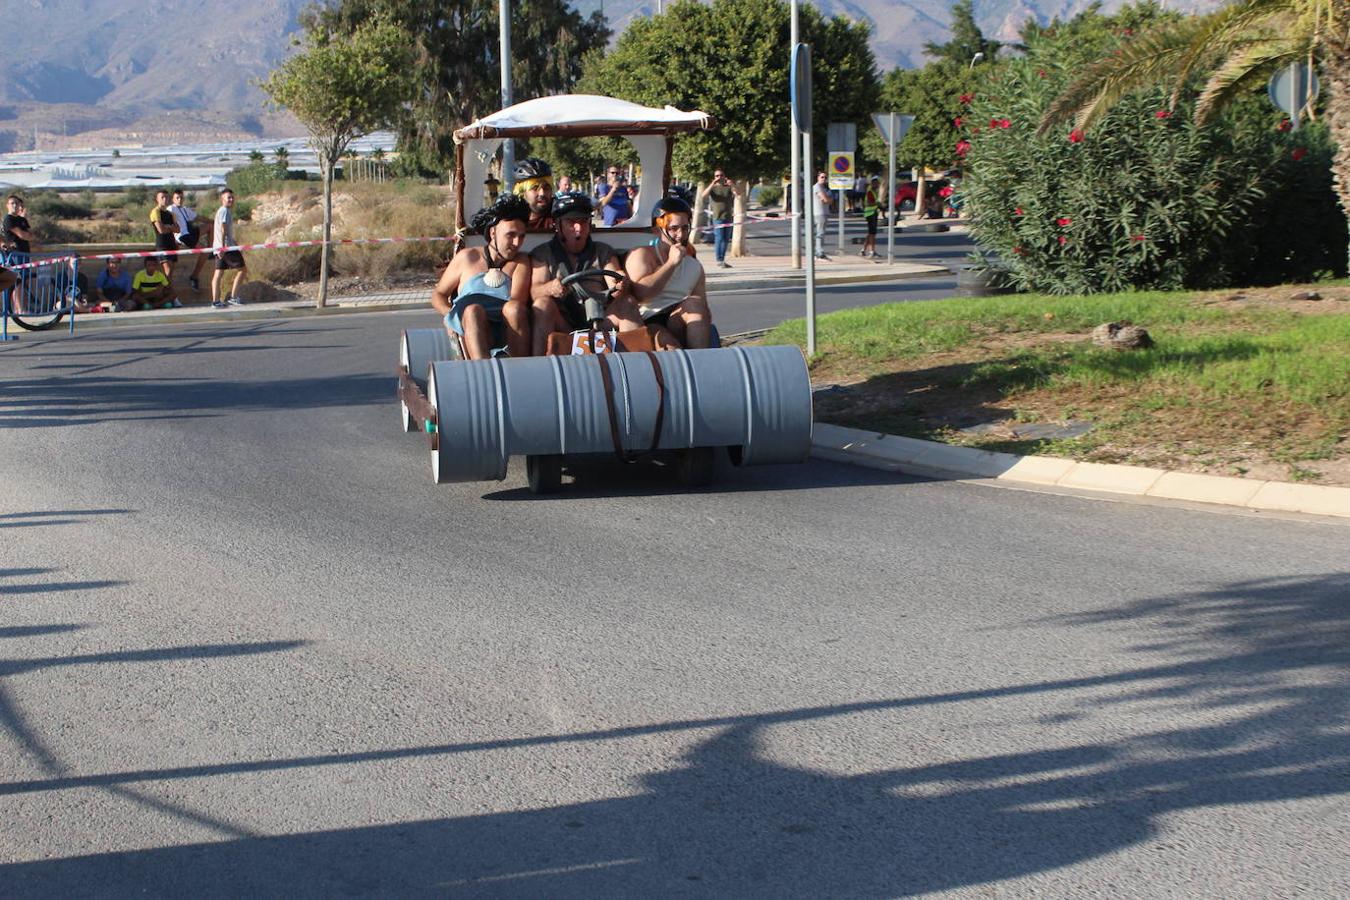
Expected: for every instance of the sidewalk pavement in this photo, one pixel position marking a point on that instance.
(746, 273)
(891, 453)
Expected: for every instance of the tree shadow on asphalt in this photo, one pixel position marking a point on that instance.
(41, 402)
(1271, 655)
(39, 518)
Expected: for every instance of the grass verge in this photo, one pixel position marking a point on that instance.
(1255, 383)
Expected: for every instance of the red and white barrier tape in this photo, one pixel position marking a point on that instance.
(188, 251)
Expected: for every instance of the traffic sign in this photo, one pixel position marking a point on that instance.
(841, 170)
(842, 136)
(1293, 88)
(800, 87)
(902, 123)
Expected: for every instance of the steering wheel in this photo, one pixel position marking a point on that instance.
(574, 282)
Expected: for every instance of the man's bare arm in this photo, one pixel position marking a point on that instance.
(444, 292)
(647, 277)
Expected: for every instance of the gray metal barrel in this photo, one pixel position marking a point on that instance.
(754, 400)
(418, 348)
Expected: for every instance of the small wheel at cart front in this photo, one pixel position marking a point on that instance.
(544, 473)
(696, 467)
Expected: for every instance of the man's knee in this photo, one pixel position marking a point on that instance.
(517, 314)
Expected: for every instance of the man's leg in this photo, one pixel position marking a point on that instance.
(215, 285)
(477, 331)
(240, 276)
(691, 322)
(516, 315)
(545, 319)
(721, 238)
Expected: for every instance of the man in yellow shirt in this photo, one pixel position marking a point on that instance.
(150, 287)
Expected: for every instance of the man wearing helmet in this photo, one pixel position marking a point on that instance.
(483, 292)
(556, 308)
(534, 184)
(668, 281)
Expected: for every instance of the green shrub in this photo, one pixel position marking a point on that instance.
(50, 204)
(252, 179)
(769, 195)
(1145, 199)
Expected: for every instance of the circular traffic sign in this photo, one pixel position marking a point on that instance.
(841, 164)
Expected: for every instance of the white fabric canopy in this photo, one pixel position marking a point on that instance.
(579, 111)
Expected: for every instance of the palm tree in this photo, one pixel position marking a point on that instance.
(1239, 46)
(283, 161)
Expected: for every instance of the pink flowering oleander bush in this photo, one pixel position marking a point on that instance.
(1145, 199)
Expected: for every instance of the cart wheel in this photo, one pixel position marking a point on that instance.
(409, 423)
(544, 473)
(696, 467)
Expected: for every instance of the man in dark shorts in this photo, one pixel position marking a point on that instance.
(223, 237)
(572, 250)
(188, 235)
(165, 232)
(17, 235)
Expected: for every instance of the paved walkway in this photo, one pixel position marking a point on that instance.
(746, 273)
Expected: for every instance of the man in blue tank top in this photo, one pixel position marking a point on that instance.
(484, 294)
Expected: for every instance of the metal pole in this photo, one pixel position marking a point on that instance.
(892, 208)
(794, 174)
(1295, 115)
(808, 217)
(508, 146)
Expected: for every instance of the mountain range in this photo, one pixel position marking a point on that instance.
(85, 72)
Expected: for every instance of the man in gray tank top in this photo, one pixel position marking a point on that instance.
(668, 280)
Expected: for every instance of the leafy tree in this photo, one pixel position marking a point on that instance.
(255, 156)
(283, 157)
(1234, 49)
(453, 66)
(932, 95)
(340, 89)
(729, 59)
(967, 39)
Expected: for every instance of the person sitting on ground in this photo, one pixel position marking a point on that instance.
(188, 234)
(166, 231)
(150, 288)
(534, 183)
(112, 287)
(490, 287)
(668, 281)
(557, 308)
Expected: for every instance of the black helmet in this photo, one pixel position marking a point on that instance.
(671, 205)
(508, 208)
(680, 192)
(532, 167)
(571, 203)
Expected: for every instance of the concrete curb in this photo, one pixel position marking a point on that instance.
(285, 310)
(900, 454)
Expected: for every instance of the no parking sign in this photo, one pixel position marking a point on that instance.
(841, 171)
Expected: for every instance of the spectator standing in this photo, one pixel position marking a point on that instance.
(222, 237)
(721, 193)
(150, 288)
(564, 184)
(189, 235)
(822, 202)
(166, 232)
(113, 287)
(871, 206)
(17, 235)
(615, 204)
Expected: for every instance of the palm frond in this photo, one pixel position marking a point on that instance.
(1218, 33)
(1148, 59)
(1243, 69)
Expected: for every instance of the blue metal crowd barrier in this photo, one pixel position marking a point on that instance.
(43, 295)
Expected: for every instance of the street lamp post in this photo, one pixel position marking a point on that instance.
(794, 174)
(976, 58)
(508, 146)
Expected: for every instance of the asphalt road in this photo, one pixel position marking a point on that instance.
(247, 648)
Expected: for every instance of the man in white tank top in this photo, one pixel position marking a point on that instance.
(668, 281)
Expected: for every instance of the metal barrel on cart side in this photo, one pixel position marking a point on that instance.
(755, 401)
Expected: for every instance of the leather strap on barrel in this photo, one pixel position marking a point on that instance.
(603, 361)
(660, 400)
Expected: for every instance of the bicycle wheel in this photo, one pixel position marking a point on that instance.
(38, 321)
(42, 310)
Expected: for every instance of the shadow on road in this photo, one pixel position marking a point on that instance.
(1270, 656)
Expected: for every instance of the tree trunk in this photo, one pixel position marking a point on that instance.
(698, 236)
(738, 216)
(1336, 69)
(328, 166)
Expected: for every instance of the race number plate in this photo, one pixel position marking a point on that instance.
(581, 343)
